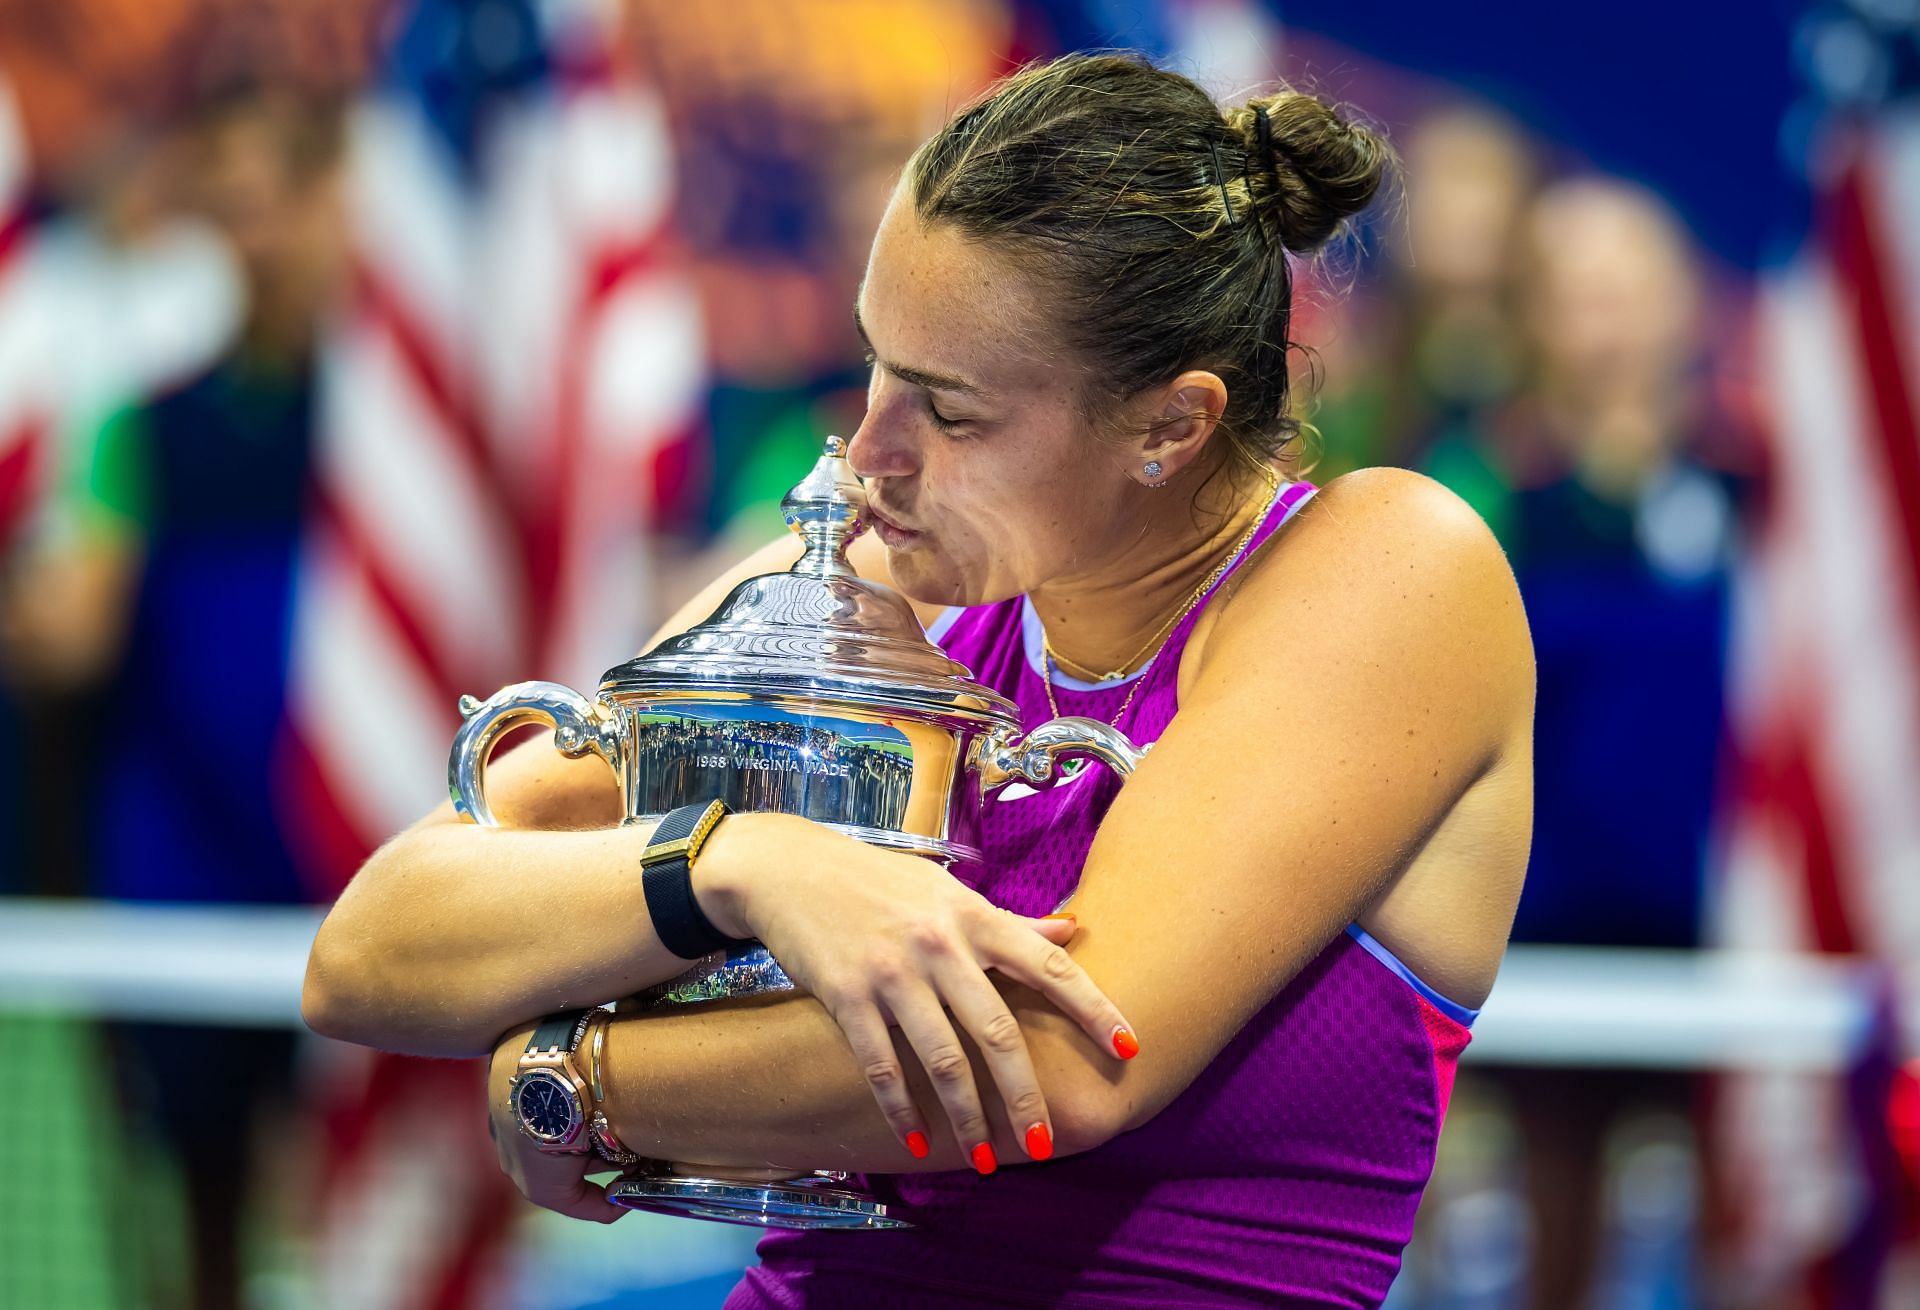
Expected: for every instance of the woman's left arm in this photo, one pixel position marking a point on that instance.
(1372, 667)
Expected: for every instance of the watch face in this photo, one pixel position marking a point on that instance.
(547, 1107)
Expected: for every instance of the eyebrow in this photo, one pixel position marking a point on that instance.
(918, 376)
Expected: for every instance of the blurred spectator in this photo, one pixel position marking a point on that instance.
(794, 121)
(1542, 353)
(120, 294)
(1623, 532)
(1623, 536)
(207, 483)
(1419, 363)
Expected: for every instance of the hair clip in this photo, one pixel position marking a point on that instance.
(1220, 178)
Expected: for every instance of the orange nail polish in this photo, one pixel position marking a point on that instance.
(1125, 1044)
(983, 1158)
(1040, 1142)
(1064, 915)
(917, 1143)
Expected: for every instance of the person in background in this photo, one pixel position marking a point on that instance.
(115, 292)
(1420, 359)
(790, 127)
(1622, 522)
(111, 290)
(1628, 487)
(209, 482)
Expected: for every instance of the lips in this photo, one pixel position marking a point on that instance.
(889, 529)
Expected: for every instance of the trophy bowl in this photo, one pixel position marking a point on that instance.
(814, 692)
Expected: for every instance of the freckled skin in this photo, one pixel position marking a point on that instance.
(1004, 501)
(1280, 803)
(1025, 498)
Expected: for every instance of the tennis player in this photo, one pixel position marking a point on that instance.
(1225, 1086)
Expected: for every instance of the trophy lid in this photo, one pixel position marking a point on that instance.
(818, 629)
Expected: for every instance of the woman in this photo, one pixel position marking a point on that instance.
(1077, 308)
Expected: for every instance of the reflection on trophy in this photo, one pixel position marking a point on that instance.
(811, 692)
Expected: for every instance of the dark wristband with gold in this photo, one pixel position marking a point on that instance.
(667, 874)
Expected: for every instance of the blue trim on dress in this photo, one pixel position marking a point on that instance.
(1455, 1011)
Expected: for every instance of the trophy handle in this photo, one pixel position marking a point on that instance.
(1031, 759)
(579, 725)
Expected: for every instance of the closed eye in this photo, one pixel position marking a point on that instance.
(939, 420)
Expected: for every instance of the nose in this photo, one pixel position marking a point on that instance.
(882, 447)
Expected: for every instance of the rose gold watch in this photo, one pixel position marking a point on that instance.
(549, 1093)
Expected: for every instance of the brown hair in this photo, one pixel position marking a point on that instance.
(1160, 223)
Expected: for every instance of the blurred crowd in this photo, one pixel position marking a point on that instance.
(182, 235)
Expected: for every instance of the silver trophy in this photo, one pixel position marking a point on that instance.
(811, 692)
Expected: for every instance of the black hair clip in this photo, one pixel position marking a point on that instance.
(1220, 179)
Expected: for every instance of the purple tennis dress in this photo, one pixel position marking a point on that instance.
(1287, 1174)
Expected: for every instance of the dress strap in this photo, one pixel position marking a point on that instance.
(1289, 498)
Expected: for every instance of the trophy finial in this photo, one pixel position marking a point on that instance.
(828, 508)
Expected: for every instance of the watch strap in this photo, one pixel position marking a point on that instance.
(560, 1032)
(667, 879)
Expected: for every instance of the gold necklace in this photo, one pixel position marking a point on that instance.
(1051, 662)
(1113, 675)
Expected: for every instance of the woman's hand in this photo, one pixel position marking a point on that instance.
(555, 1182)
(882, 938)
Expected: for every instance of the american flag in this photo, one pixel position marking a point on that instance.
(517, 366)
(1824, 850)
(24, 412)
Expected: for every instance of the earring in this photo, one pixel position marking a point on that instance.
(1152, 470)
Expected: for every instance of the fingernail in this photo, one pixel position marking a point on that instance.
(1062, 915)
(1040, 1142)
(1125, 1044)
(917, 1143)
(983, 1158)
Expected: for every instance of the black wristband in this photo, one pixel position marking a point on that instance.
(682, 926)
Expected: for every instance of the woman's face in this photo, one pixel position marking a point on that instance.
(984, 480)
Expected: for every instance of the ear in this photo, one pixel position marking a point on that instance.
(1183, 419)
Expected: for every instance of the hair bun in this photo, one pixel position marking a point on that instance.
(1315, 170)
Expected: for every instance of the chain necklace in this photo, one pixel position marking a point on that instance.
(1115, 674)
(1051, 661)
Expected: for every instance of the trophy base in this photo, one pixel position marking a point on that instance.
(816, 1202)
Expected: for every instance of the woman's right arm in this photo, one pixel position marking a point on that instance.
(450, 933)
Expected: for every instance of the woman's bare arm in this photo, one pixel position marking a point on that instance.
(1369, 675)
(452, 933)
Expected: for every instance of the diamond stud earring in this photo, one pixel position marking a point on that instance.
(1152, 469)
